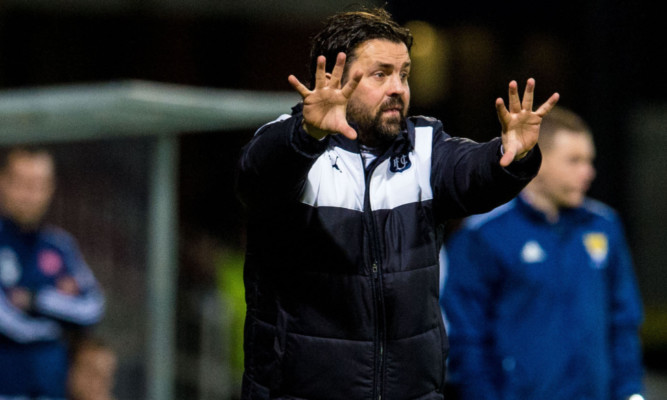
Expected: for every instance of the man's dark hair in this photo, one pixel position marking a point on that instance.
(343, 32)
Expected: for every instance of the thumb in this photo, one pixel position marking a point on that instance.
(347, 131)
(508, 157)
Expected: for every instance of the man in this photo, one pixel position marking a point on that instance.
(540, 295)
(345, 197)
(45, 286)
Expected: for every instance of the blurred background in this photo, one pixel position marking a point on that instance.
(175, 304)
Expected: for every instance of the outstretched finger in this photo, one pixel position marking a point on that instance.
(320, 72)
(339, 68)
(528, 93)
(515, 104)
(351, 85)
(503, 114)
(298, 86)
(548, 105)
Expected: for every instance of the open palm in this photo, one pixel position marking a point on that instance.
(324, 107)
(520, 124)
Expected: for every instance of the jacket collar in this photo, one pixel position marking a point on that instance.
(9, 225)
(565, 215)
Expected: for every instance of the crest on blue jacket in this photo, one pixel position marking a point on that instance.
(597, 246)
(399, 163)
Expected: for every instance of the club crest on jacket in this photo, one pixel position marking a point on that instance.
(399, 163)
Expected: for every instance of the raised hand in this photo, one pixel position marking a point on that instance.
(324, 107)
(520, 124)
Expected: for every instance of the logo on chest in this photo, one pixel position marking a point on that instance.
(532, 252)
(10, 269)
(399, 163)
(597, 246)
(50, 262)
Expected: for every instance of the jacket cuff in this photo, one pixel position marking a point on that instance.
(527, 167)
(305, 144)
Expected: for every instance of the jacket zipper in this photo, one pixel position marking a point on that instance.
(376, 285)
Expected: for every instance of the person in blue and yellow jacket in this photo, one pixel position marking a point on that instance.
(540, 297)
(46, 288)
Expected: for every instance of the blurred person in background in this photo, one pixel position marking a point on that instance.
(46, 288)
(540, 296)
(345, 198)
(92, 370)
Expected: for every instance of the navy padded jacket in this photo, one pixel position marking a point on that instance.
(341, 267)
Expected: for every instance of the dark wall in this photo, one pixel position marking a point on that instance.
(612, 61)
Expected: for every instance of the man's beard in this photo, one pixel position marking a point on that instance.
(377, 130)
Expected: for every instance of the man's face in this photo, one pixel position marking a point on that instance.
(567, 169)
(26, 187)
(381, 100)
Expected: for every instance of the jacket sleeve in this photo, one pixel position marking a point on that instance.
(21, 327)
(470, 281)
(467, 177)
(274, 165)
(627, 316)
(86, 307)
